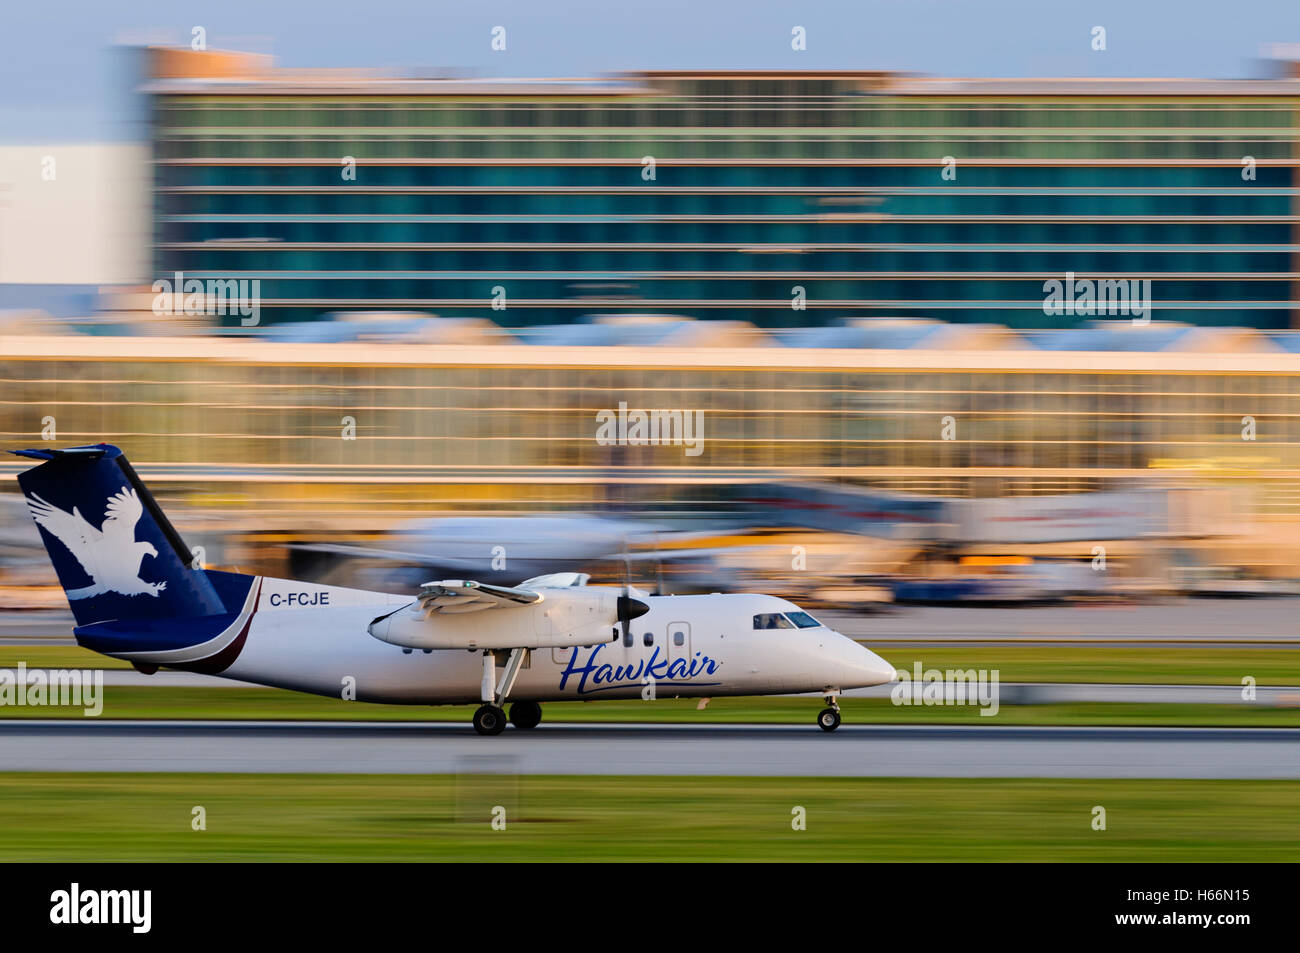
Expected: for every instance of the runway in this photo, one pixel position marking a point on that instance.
(1010, 693)
(96, 745)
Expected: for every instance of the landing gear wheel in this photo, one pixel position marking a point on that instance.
(525, 715)
(489, 720)
(828, 719)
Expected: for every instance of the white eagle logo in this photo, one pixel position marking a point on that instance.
(110, 555)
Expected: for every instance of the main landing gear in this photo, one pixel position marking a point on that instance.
(490, 719)
(828, 719)
(525, 715)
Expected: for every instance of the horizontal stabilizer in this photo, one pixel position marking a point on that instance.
(69, 453)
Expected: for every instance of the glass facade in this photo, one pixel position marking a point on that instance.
(716, 195)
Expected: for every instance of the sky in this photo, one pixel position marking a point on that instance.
(63, 78)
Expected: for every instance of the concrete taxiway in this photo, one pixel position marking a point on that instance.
(1171, 622)
(609, 749)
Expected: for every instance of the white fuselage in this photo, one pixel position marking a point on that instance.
(314, 638)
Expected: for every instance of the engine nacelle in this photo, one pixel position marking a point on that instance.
(564, 617)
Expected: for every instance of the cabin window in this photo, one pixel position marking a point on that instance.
(649, 638)
(772, 620)
(803, 620)
(679, 637)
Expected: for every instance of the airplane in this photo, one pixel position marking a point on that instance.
(507, 550)
(138, 594)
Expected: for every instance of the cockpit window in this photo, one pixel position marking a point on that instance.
(803, 620)
(772, 620)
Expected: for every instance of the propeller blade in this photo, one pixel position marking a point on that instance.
(625, 616)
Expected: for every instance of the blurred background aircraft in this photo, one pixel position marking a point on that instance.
(509, 549)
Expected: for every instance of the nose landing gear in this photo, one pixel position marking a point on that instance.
(828, 719)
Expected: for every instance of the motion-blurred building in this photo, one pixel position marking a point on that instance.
(280, 435)
(647, 237)
(465, 417)
(722, 194)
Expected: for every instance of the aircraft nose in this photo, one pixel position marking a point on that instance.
(863, 667)
(886, 672)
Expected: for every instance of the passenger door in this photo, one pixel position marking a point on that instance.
(679, 641)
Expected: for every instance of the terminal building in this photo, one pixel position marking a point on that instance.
(780, 199)
(310, 428)
(644, 239)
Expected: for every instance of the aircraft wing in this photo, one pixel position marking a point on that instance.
(679, 555)
(453, 596)
(365, 552)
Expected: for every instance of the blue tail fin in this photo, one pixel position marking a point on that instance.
(116, 554)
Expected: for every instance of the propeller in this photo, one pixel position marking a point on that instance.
(659, 567)
(628, 608)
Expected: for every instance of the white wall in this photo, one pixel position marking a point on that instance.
(90, 225)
